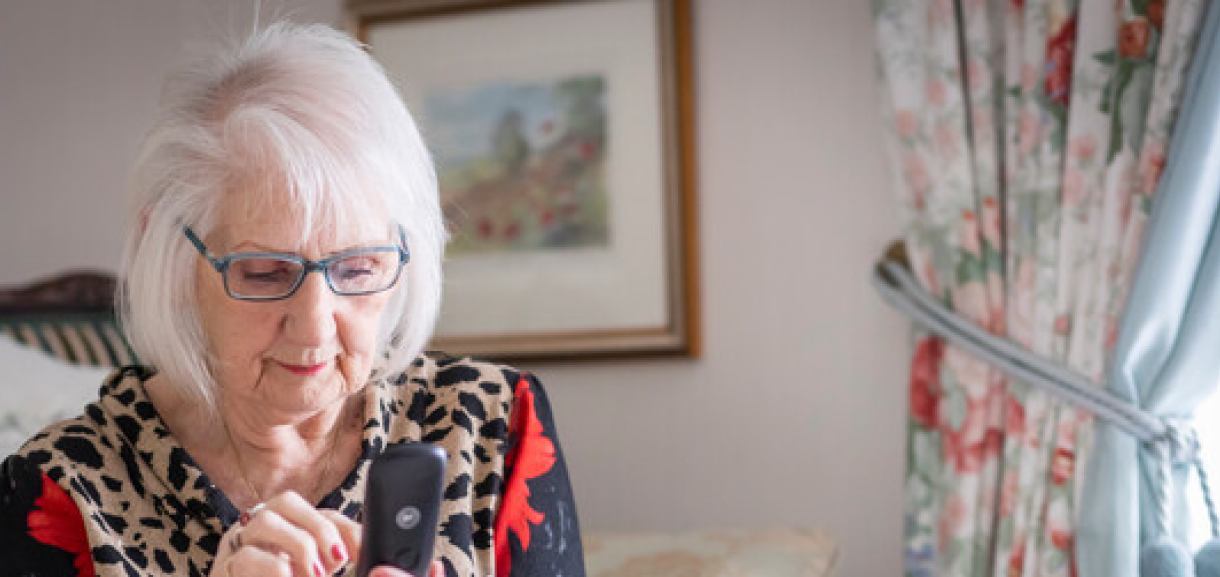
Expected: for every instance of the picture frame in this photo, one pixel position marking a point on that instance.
(562, 132)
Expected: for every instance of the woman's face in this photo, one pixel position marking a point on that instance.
(298, 354)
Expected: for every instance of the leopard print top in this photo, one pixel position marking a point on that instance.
(111, 493)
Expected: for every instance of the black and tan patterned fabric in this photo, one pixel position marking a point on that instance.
(82, 338)
(111, 493)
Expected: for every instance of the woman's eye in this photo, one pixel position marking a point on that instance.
(357, 271)
(270, 276)
(354, 271)
(265, 272)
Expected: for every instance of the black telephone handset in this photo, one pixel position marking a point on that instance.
(401, 508)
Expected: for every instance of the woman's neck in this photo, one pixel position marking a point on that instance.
(253, 455)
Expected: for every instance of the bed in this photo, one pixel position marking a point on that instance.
(58, 340)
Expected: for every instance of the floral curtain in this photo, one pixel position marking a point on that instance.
(1027, 138)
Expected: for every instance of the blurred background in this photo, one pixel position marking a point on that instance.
(792, 416)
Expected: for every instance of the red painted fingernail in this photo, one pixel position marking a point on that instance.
(317, 569)
(338, 553)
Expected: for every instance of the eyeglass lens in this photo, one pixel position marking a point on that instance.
(266, 276)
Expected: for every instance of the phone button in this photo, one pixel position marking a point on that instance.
(407, 518)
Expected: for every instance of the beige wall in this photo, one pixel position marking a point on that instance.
(793, 415)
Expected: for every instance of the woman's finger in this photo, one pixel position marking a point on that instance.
(330, 547)
(349, 532)
(253, 562)
(271, 532)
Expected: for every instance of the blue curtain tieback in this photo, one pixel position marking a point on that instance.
(1171, 440)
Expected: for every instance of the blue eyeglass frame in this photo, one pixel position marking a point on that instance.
(221, 264)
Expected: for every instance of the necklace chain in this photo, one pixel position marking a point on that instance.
(326, 462)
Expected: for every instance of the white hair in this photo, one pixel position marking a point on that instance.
(302, 109)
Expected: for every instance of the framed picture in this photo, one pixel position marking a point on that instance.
(562, 136)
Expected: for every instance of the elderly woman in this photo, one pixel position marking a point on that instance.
(281, 278)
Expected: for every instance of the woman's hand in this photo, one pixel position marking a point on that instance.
(287, 536)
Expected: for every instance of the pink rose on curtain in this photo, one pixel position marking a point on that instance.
(968, 236)
(917, 178)
(992, 225)
(1009, 490)
(935, 91)
(1111, 335)
(1063, 460)
(1083, 147)
(1021, 315)
(969, 445)
(940, 13)
(1154, 164)
(1059, 50)
(970, 299)
(1029, 130)
(924, 266)
(947, 139)
(932, 278)
(951, 520)
(1073, 188)
(925, 381)
(1133, 38)
(965, 438)
(1059, 525)
(1063, 464)
(906, 123)
(1029, 77)
(1014, 416)
(1014, 9)
(976, 78)
(1016, 559)
(981, 120)
(1063, 325)
(1156, 13)
(1068, 422)
(966, 448)
(996, 320)
(1124, 209)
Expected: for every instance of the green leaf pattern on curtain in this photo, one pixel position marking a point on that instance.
(1026, 139)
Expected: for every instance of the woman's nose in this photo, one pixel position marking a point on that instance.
(311, 312)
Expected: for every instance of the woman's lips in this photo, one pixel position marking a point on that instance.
(303, 370)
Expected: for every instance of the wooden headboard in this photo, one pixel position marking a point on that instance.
(78, 291)
(70, 316)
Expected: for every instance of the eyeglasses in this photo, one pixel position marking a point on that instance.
(269, 276)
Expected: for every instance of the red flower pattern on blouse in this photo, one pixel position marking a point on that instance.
(533, 456)
(57, 522)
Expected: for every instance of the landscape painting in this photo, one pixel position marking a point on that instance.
(522, 163)
(562, 136)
